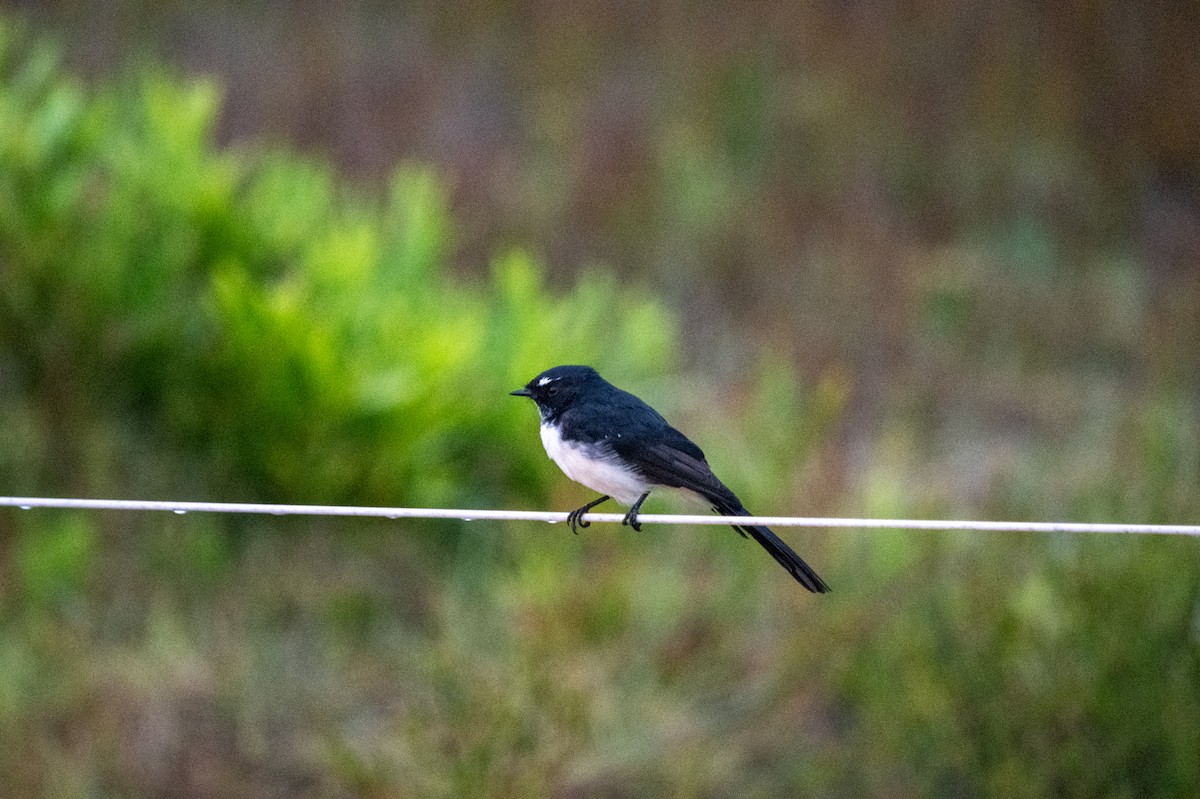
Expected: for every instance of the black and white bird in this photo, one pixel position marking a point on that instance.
(612, 442)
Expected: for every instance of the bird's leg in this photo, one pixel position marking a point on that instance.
(575, 517)
(631, 517)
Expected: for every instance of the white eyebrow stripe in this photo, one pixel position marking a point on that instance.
(545, 380)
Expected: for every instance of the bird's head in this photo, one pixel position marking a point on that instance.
(555, 389)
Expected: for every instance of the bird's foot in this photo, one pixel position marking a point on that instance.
(575, 522)
(631, 517)
(575, 518)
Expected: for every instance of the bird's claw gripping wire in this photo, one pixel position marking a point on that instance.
(631, 517)
(575, 518)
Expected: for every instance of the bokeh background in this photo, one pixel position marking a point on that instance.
(880, 258)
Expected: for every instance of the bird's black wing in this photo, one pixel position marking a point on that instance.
(670, 459)
(666, 457)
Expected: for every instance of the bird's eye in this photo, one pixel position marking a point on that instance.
(552, 390)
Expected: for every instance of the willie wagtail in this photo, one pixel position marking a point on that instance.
(612, 442)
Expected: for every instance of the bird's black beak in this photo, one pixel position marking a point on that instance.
(521, 392)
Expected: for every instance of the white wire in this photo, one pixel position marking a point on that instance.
(554, 517)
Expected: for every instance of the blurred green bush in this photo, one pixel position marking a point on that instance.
(252, 329)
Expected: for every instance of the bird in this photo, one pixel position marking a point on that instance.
(614, 443)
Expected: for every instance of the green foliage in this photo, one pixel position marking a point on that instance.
(52, 562)
(296, 341)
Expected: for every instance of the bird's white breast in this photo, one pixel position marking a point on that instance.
(591, 468)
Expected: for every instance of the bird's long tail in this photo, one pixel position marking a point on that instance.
(782, 553)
